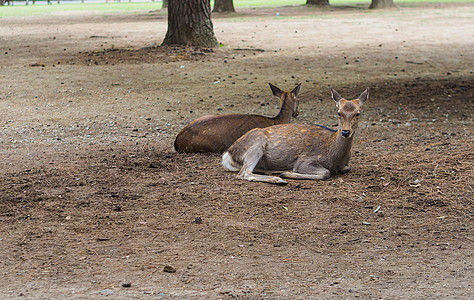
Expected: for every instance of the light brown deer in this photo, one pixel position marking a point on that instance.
(297, 151)
(216, 133)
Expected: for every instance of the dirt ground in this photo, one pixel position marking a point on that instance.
(95, 204)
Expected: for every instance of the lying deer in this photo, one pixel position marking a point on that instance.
(216, 133)
(297, 151)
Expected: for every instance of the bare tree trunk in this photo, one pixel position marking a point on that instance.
(189, 23)
(381, 4)
(2, 2)
(223, 6)
(165, 4)
(317, 2)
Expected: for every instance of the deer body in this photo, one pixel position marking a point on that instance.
(297, 151)
(216, 133)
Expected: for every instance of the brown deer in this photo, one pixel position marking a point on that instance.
(216, 133)
(297, 151)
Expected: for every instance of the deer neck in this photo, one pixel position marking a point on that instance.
(285, 113)
(340, 150)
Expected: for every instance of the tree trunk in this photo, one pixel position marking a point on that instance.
(165, 4)
(381, 4)
(224, 6)
(2, 2)
(317, 2)
(189, 23)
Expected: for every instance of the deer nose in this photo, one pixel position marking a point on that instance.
(346, 133)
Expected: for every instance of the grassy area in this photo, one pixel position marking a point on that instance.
(42, 10)
(143, 7)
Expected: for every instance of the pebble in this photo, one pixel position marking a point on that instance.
(169, 269)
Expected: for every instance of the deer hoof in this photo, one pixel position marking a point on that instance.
(286, 175)
(279, 181)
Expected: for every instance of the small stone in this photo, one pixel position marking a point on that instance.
(169, 269)
(198, 220)
(126, 284)
(154, 165)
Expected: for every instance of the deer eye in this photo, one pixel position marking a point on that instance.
(339, 114)
(357, 114)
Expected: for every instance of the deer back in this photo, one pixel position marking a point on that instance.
(216, 133)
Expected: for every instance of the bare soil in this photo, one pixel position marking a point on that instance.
(94, 203)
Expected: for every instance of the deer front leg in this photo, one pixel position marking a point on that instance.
(262, 178)
(305, 170)
(316, 175)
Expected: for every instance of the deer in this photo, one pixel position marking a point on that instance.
(297, 151)
(215, 133)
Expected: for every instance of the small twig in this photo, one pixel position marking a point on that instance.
(249, 49)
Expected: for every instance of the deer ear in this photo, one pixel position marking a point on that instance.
(276, 91)
(335, 96)
(364, 96)
(296, 90)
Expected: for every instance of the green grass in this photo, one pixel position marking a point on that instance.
(143, 7)
(43, 10)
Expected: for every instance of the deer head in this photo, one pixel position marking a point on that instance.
(348, 112)
(293, 102)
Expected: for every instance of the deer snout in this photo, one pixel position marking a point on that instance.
(346, 133)
(295, 114)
